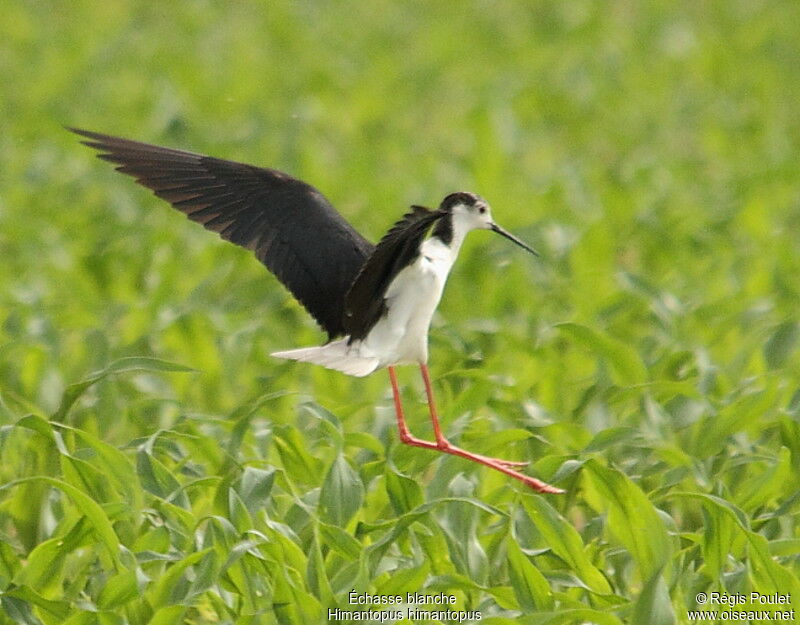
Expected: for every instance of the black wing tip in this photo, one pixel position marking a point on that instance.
(112, 144)
(97, 141)
(86, 133)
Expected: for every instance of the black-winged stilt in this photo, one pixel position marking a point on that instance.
(375, 302)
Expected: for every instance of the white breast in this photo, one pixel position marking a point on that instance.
(401, 336)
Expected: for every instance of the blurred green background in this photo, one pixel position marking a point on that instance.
(648, 362)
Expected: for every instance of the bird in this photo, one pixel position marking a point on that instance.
(375, 302)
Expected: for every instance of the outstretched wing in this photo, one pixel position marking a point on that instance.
(364, 302)
(289, 225)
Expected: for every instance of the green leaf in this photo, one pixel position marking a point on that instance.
(9, 562)
(341, 494)
(530, 586)
(758, 489)
(632, 520)
(404, 493)
(255, 487)
(123, 365)
(769, 576)
(610, 437)
(404, 580)
(578, 616)
(44, 567)
(627, 365)
(565, 542)
(718, 542)
(167, 615)
(93, 512)
(316, 574)
(155, 477)
(459, 520)
(300, 466)
(58, 610)
(238, 513)
(653, 607)
(118, 590)
(116, 466)
(171, 587)
(781, 344)
(339, 540)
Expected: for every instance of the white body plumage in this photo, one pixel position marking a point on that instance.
(401, 335)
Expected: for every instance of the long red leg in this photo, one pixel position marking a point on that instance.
(443, 445)
(441, 442)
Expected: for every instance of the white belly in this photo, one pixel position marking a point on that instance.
(401, 336)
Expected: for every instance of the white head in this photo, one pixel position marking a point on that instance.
(464, 211)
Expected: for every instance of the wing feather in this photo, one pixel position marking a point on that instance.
(365, 303)
(292, 228)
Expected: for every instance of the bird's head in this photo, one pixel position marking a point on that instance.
(469, 211)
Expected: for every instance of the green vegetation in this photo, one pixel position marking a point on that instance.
(159, 467)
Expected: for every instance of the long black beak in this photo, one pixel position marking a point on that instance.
(511, 237)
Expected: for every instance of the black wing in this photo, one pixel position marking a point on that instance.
(288, 224)
(364, 302)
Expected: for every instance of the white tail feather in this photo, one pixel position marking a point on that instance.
(337, 355)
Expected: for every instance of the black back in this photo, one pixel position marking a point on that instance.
(364, 302)
(289, 225)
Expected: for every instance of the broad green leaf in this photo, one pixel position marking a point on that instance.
(238, 513)
(93, 512)
(769, 576)
(155, 477)
(565, 542)
(625, 362)
(118, 590)
(328, 422)
(43, 569)
(53, 611)
(115, 464)
(317, 575)
(364, 440)
(653, 606)
(341, 494)
(377, 549)
(9, 562)
(631, 518)
(301, 467)
(404, 493)
(530, 587)
(171, 587)
(579, 616)
(339, 540)
(781, 344)
(87, 478)
(719, 540)
(206, 574)
(746, 411)
(758, 489)
(167, 615)
(255, 487)
(18, 610)
(404, 580)
(459, 520)
(123, 365)
(37, 424)
(609, 437)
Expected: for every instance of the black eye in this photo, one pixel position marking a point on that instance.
(482, 210)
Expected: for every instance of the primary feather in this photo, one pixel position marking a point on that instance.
(289, 225)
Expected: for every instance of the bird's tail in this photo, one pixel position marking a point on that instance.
(337, 355)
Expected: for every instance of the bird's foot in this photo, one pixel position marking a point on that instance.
(509, 464)
(447, 447)
(504, 466)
